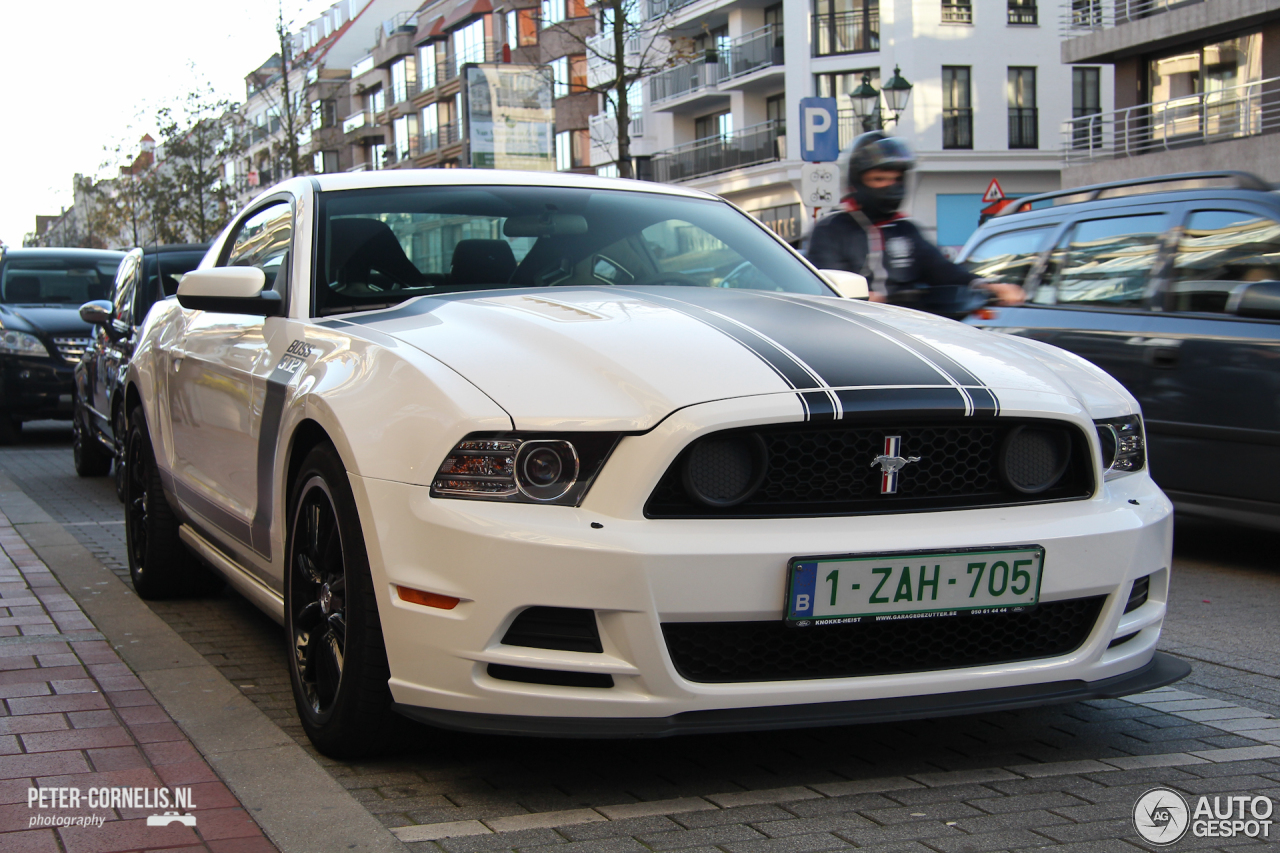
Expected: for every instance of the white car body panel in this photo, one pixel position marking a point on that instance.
(395, 390)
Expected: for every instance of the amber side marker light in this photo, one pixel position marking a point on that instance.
(428, 599)
(985, 314)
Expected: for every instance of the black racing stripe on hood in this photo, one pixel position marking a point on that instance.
(841, 352)
(925, 402)
(786, 367)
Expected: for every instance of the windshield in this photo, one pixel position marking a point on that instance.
(72, 281)
(381, 247)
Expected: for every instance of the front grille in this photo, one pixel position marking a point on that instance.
(72, 349)
(1138, 594)
(723, 652)
(820, 469)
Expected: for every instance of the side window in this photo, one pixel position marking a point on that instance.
(1008, 258)
(122, 291)
(1219, 250)
(263, 241)
(1104, 262)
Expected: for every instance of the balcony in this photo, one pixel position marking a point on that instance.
(957, 127)
(600, 64)
(604, 128)
(756, 51)
(442, 137)
(956, 13)
(1023, 13)
(761, 143)
(847, 32)
(659, 8)
(361, 124)
(1242, 111)
(691, 87)
(1082, 16)
(1024, 127)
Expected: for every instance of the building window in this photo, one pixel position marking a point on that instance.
(1086, 108)
(317, 115)
(403, 80)
(775, 108)
(957, 107)
(609, 170)
(377, 101)
(559, 77)
(1023, 12)
(468, 43)
(430, 127)
(839, 86)
(1208, 91)
(1024, 121)
(957, 12)
(556, 11)
(573, 149)
(526, 34)
(783, 220)
(404, 132)
(845, 26)
(377, 155)
(427, 66)
(714, 125)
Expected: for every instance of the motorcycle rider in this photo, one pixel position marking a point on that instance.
(870, 237)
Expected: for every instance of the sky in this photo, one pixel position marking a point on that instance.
(80, 76)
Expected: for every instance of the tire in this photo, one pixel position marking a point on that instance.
(159, 564)
(337, 659)
(10, 431)
(91, 458)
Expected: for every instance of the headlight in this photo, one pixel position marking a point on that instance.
(20, 343)
(523, 467)
(1124, 445)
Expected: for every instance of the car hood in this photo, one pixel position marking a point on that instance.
(52, 320)
(625, 358)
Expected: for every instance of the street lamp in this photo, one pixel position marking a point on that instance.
(866, 99)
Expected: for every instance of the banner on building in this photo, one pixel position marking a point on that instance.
(510, 117)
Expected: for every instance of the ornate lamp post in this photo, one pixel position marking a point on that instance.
(866, 99)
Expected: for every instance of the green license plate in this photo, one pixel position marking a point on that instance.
(831, 590)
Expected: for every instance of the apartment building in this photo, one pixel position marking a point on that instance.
(989, 95)
(1197, 87)
(407, 94)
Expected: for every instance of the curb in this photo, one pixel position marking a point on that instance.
(298, 804)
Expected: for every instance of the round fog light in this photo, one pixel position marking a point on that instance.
(723, 471)
(545, 470)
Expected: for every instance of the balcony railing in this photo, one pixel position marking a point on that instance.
(957, 13)
(757, 49)
(1250, 109)
(1080, 16)
(846, 32)
(684, 79)
(604, 128)
(761, 143)
(355, 121)
(1023, 12)
(957, 127)
(658, 8)
(1024, 127)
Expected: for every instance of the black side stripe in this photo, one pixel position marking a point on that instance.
(268, 438)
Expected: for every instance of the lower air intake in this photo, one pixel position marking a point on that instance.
(725, 652)
(556, 677)
(564, 629)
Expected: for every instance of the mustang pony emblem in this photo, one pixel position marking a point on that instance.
(891, 463)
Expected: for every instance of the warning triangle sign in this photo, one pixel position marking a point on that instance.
(994, 192)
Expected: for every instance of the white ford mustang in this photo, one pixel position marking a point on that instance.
(555, 455)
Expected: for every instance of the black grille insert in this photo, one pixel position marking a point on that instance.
(826, 469)
(1138, 594)
(723, 652)
(565, 629)
(557, 677)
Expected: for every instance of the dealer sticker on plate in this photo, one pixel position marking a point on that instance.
(835, 590)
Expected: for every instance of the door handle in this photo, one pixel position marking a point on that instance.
(1163, 357)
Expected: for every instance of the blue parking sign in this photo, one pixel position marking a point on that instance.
(819, 130)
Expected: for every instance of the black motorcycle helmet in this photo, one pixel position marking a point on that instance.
(878, 150)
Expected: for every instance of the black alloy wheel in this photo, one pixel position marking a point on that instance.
(159, 564)
(337, 659)
(90, 457)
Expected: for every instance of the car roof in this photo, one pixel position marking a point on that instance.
(489, 177)
(58, 252)
(175, 247)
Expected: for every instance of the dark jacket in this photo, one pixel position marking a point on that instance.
(838, 242)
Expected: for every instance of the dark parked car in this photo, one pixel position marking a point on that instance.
(144, 277)
(41, 333)
(1172, 285)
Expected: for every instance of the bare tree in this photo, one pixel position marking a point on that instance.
(290, 118)
(633, 50)
(192, 200)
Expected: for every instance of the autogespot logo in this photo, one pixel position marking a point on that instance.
(1161, 816)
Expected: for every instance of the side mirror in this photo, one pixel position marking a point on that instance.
(850, 285)
(1260, 300)
(96, 312)
(229, 290)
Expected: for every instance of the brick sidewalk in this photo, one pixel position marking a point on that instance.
(73, 715)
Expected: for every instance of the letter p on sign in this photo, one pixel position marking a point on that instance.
(819, 133)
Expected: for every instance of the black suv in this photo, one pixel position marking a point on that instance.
(41, 333)
(145, 276)
(1172, 285)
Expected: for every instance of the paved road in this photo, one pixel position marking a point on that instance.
(1049, 777)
